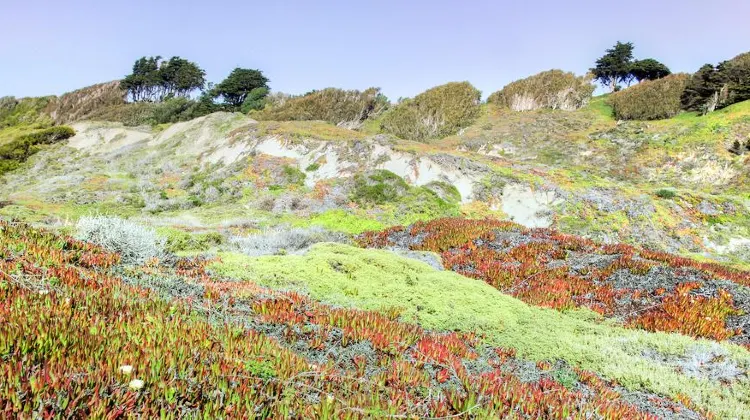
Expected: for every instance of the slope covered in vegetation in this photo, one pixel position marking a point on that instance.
(88, 337)
(543, 255)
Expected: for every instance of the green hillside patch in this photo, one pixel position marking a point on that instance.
(378, 280)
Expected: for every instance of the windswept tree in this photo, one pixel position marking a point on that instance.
(180, 77)
(649, 69)
(143, 83)
(237, 86)
(715, 87)
(614, 66)
(617, 66)
(702, 90)
(154, 80)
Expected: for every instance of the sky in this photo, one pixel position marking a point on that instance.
(404, 47)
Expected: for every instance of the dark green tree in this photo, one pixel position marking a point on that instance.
(648, 69)
(615, 65)
(713, 88)
(702, 90)
(255, 100)
(735, 73)
(154, 80)
(145, 81)
(238, 85)
(180, 77)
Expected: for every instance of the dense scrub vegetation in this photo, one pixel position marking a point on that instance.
(437, 112)
(384, 188)
(24, 113)
(345, 108)
(553, 89)
(650, 100)
(15, 152)
(716, 87)
(153, 113)
(167, 86)
(83, 103)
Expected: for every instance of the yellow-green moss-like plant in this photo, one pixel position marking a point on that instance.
(346, 108)
(442, 300)
(553, 89)
(437, 112)
(650, 100)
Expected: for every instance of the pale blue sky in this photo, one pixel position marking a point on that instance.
(404, 47)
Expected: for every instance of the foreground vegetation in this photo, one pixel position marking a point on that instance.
(378, 280)
(172, 341)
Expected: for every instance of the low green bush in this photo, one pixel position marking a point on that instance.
(292, 175)
(154, 113)
(30, 112)
(666, 193)
(346, 108)
(49, 135)
(179, 240)
(650, 100)
(378, 187)
(553, 89)
(435, 113)
(444, 191)
(16, 151)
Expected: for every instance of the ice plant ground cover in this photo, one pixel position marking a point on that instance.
(83, 336)
(639, 288)
(713, 374)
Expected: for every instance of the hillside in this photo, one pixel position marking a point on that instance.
(536, 264)
(669, 185)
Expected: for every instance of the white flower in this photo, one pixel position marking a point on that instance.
(329, 399)
(126, 369)
(43, 292)
(136, 384)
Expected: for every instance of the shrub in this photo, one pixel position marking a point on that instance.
(148, 113)
(28, 112)
(345, 108)
(13, 153)
(255, 100)
(49, 135)
(666, 193)
(135, 243)
(445, 191)
(292, 175)
(554, 89)
(378, 187)
(312, 167)
(650, 100)
(282, 241)
(437, 112)
(179, 240)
